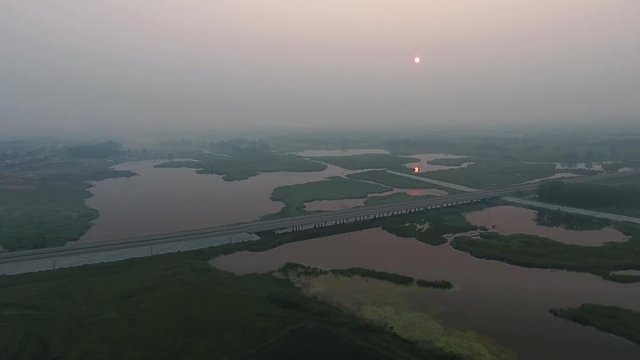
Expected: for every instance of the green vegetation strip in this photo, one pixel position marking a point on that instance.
(552, 218)
(177, 306)
(393, 198)
(44, 216)
(431, 226)
(52, 210)
(244, 166)
(534, 251)
(335, 188)
(623, 198)
(391, 180)
(614, 320)
(300, 269)
(484, 173)
(427, 227)
(367, 161)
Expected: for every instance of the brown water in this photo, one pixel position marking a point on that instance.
(424, 165)
(342, 204)
(508, 303)
(517, 220)
(166, 200)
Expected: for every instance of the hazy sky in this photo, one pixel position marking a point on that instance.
(162, 64)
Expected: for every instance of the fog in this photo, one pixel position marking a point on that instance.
(77, 65)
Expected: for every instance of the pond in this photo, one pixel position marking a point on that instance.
(424, 166)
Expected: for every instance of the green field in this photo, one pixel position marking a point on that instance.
(178, 307)
(551, 218)
(393, 198)
(295, 196)
(537, 252)
(430, 227)
(367, 161)
(50, 211)
(392, 180)
(625, 180)
(244, 166)
(614, 320)
(44, 216)
(487, 173)
(452, 161)
(623, 198)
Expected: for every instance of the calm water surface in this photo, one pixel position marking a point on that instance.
(508, 303)
(165, 200)
(517, 220)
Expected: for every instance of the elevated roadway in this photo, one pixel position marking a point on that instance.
(75, 254)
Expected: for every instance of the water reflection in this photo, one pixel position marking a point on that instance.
(517, 220)
(508, 303)
(165, 200)
(424, 166)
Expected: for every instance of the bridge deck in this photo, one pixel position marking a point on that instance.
(75, 254)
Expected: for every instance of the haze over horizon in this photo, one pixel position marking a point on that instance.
(131, 64)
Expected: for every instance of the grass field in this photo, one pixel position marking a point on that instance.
(430, 227)
(493, 173)
(52, 210)
(537, 252)
(177, 306)
(334, 188)
(393, 306)
(618, 198)
(367, 161)
(392, 180)
(44, 216)
(244, 166)
(614, 320)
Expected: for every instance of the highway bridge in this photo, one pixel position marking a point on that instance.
(75, 254)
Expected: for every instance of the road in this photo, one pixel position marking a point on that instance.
(536, 204)
(75, 254)
(435, 182)
(572, 210)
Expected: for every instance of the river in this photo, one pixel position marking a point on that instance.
(508, 303)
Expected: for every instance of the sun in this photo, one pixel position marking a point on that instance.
(417, 60)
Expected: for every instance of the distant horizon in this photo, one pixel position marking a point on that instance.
(630, 128)
(74, 66)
